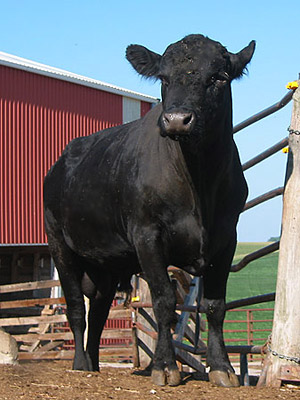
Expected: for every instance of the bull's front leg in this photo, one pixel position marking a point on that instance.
(164, 302)
(215, 281)
(221, 372)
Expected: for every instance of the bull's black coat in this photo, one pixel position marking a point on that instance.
(166, 189)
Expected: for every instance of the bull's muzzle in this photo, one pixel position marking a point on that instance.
(177, 124)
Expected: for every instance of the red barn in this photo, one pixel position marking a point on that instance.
(41, 109)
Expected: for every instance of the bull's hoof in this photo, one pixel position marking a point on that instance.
(174, 378)
(81, 366)
(158, 377)
(234, 379)
(161, 378)
(84, 363)
(224, 379)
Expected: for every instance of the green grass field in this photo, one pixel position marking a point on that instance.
(258, 277)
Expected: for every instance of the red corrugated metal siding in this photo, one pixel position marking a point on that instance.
(38, 117)
(117, 324)
(145, 107)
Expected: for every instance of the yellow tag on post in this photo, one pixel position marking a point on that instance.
(292, 85)
(135, 299)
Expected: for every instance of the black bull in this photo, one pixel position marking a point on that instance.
(164, 190)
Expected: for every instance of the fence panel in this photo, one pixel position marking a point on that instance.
(43, 331)
(246, 326)
(48, 336)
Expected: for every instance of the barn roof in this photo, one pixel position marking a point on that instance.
(12, 61)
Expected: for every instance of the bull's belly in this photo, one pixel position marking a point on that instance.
(183, 242)
(103, 249)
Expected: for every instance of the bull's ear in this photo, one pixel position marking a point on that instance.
(239, 60)
(144, 61)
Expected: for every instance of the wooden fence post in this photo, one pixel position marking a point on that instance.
(146, 343)
(285, 342)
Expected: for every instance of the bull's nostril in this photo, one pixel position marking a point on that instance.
(188, 119)
(166, 119)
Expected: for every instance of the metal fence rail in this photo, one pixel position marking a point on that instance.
(254, 161)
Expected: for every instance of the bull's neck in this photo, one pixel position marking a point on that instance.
(210, 159)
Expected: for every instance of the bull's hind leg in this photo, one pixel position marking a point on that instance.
(98, 313)
(164, 302)
(70, 276)
(215, 279)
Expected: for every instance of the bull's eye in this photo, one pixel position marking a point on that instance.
(219, 79)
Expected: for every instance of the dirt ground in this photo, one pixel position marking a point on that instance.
(55, 380)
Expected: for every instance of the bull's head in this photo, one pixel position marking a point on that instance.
(195, 73)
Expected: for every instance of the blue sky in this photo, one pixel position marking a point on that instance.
(90, 38)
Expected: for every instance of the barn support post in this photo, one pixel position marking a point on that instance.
(284, 346)
(244, 374)
(14, 267)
